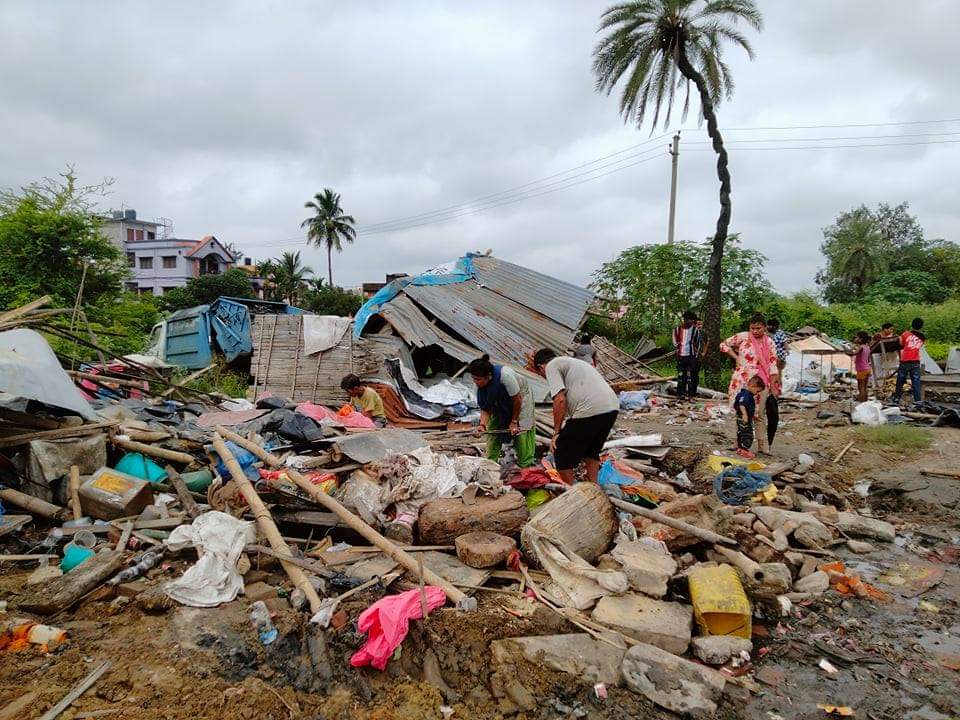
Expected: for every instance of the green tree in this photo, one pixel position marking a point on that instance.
(51, 240)
(267, 269)
(291, 276)
(328, 226)
(205, 289)
(331, 300)
(907, 286)
(654, 284)
(647, 43)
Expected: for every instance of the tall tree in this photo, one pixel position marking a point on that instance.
(647, 42)
(328, 225)
(291, 276)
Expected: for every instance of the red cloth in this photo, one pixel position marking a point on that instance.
(910, 346)
(529, 478)
(387, 622)
(319, 412)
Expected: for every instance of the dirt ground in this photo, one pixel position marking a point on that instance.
(898, 659)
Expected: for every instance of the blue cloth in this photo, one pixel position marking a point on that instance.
(244, 458)
(494, 399)
(745, 399)
(462, 273)
(746, 484)
(634, 399)
(609, 475)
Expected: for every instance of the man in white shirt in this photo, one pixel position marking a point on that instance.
(584, 411)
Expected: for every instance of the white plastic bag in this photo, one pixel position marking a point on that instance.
(868, 413)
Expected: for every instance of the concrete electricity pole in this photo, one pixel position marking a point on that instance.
(675, 152)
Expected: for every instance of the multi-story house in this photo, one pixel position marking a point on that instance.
(159, 264)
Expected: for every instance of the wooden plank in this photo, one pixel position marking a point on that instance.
(24, 309)
(79, 430)
(186, 499)
(79, 689)
(60, 593)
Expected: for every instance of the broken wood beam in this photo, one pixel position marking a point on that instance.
(186, 499)
(182, 384)
(74, 488)
(265, 521)
(60, 593)
(462, 601)
(31, 503)
(843, 452)
(24, 309)
(88, 429)
(703, 534)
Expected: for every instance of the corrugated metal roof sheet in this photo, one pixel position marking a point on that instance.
(414, 327)
(558, 300)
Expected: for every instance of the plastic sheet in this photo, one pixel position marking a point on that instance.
(219, 539)
(387, 623)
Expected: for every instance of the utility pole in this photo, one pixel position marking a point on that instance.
(675, 152)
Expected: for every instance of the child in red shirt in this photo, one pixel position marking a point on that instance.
(911, 342)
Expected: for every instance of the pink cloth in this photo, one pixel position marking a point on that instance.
(387, 622)
(319, 412)
(750, 356)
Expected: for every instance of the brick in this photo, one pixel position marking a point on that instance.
(664, 624)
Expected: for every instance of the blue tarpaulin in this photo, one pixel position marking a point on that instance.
(460, 272)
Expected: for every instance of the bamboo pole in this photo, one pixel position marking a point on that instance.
(181, 385)
(108, 379)
(88, 429)
(741, 561)
(161, 453)
(265, 521)
(75, 492)
(24, 309)
(28, 502)
(699, 532)
(463, 601)
(843, 452)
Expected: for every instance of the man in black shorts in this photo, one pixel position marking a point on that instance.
(584, 411)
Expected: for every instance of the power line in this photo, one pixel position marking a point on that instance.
(828, 147)
(847, 125)
(818, 139)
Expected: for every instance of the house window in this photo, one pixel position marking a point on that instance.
(139, 234)
(131, 260)
(131, 287)
(167, 289)
(151, 235)
(169, 262)
(146, 263)
(129, 234)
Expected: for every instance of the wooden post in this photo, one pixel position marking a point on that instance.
(157, 452)
(186, 499)
(29, 502)
(75, 492)
(463, 601)
(265, 521)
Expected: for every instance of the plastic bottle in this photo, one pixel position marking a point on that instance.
(260, 617)
(148, 560)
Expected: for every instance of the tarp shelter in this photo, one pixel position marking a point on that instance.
(814, 357)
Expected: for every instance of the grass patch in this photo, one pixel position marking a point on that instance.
(219, 379)
(896, 437)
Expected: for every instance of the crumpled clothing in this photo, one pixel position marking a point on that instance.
(320, 413)
(528, 478)
(214, 579)
(387, 622)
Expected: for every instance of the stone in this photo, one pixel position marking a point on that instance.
(815, 583)
(773, 517)
(648, 570)
(672, 682)
(814, 537)
(259, 591)
(718, 649)
(824, 513)
(131, 589)
(809, 566)
(859, 546)
(776, 581)
(859, 526)
(663, 624)
(578, 654)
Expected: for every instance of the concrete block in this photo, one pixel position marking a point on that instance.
(860, 526)
(776, 581)
(815, 583)
(671, 682)
(664, 624)
(718, 649)
(648, 570)
(577, 654)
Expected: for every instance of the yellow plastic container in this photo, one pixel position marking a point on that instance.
(719, 603)
(717, 463)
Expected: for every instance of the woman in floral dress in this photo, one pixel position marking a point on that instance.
(756, 354)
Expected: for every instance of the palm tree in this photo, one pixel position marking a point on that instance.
(328, 226)
(859, 255)
(647, 43)
(267, 269)
(291, 276)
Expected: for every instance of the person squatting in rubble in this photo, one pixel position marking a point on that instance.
(745, 407)
(365, 399)
(585, 409)
(756, 354)
(690, 347)
(506, 409)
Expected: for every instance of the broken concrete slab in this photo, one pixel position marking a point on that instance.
(860, 526)
(774, 518)
(814, 583)
(577, 654)
(718, 649)
(672, 682)
(776, 581)
(647, 569)
(663, 624)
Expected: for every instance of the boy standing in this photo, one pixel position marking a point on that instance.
(745, 406)
(688, 342)
(365, 399)
(911, 342)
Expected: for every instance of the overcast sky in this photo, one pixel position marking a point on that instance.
(228, 116)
